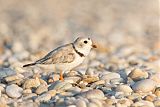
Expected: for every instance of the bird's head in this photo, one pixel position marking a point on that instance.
(84, 45)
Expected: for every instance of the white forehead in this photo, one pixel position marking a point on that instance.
(81, 39)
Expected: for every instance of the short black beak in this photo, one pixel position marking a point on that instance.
(94, 46)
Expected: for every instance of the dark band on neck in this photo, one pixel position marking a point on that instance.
(79, 53)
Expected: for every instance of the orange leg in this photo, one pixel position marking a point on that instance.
(61, 76)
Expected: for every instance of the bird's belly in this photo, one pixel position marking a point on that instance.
(69, 66)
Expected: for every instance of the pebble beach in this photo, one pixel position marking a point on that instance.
(124, 70)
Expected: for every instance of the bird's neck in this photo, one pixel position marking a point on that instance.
(81, 51)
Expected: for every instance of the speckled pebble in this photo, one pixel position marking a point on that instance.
(80, 103)
(4, 72)
(29, 96)
(43, 98)
(157, 103)
(90, 79)
(150, 98)
(95, 93)
(27, 91)
(143, 103)
(124, 88)
(58, 85)
(157, 91)
(14, 77)
(14, 91)
(146, 85)
(41, 89)
(31, 83)
(52, 92)
(109, 76)
(138, 74)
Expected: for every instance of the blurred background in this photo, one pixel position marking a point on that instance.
(42, 25)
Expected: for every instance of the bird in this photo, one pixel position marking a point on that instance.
(68, 56)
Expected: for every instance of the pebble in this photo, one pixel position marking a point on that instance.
(150, 98)
(14, 91)
(146, 85)
(14, 77)
(27, 91)
(3, 102)
(143, 103)
(18, 82)
(157, 91)
(27, 74)
(157, 103)
(29, 83)
(58, 85)
(124, 88)
(109, 76)
(4, 72)
(100, 82)
(2, 88)
(41, 89)
(125, 102)
(97, 102)
(72, 80)
(90, 79)
(90, 104)
(43, 82)
(43, 98)
(110, 101)
(52, 92)
(156, 77)
(95, 93)
(138, 74)
(54, 77)
(74, 90)
(116, 80)
(30, 96)
(80, 103)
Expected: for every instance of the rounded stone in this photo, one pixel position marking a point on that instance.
(156, 77)
(124, 88)
(90, 79)
(41, 89)
(52, 92)
(58, 85)
(14, 77)
(31, 83)
(143, 103)
(150, 98)
(157, 91)
(157, 103)
(98, 102)
(43, 98)
(4, 72)
(14, 91)
(146, 85)
(80, 103)
(90, 104)
(138, 74)
(95, 93)
(109, 76)
(27, 91)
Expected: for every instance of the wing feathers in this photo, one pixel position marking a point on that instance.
(64, 54)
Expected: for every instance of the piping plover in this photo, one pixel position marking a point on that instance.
(68, 56)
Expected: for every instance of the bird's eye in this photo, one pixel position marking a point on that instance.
(85, 42)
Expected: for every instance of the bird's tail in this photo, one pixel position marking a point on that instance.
(31, 64)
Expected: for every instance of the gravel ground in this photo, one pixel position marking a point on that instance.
(124, 71)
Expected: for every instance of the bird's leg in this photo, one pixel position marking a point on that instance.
(61, 76)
